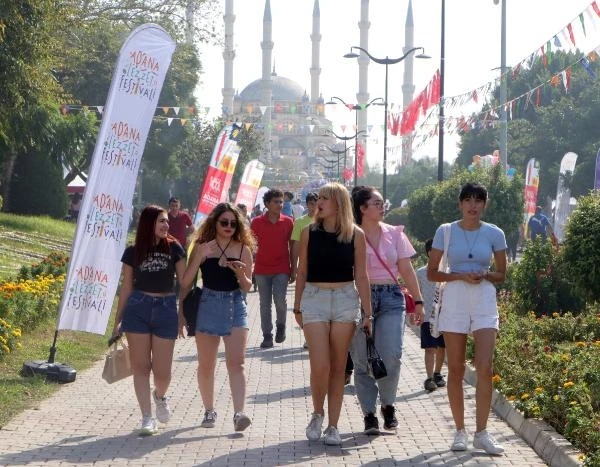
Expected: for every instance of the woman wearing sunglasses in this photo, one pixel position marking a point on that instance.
(223, 252)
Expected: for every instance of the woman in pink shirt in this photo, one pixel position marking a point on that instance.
(388, 257)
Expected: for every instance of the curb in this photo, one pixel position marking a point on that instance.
(553, 448)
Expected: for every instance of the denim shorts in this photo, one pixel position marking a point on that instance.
(468, 307)
(220, 311)
(145, 314)
(427, 340)
(340, 305)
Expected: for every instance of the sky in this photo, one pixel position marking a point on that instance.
(472, 50)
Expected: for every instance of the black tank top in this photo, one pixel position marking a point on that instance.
(328, 259)
(219, 278)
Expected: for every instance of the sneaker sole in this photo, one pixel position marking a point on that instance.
(390, 427)
(147, 432)
(332, 442)
(163, 419)
(280, 341)
(208, 425)
(372, 432)
(493, 453)
(458, 448)
(242, 424)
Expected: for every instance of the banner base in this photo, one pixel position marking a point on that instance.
(55, 372)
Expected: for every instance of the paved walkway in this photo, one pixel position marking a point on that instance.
(92, 423)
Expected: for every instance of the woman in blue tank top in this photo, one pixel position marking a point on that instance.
(223, 248)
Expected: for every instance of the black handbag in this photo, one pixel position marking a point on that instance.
(375, 363)
(190, 309)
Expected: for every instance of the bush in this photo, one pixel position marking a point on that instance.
(54, 264)
(420, 221)
(9, 337)
(397, 216)
(581, 255)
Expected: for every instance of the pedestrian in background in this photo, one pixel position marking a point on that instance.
(273, 269)
(180, 222)
(223, 252)
(434, 347)
(469, 307)
(147, 311)
(389, 255)
(331, 267)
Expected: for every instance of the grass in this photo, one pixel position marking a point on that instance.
(25, 240)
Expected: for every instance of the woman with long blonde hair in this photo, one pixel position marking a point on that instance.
(331, 277)
(223, 248)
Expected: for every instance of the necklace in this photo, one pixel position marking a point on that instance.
(222, 256)
(471, 246)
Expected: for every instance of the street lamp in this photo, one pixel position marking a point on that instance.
(356, 108)
(338, 154)
(345, 140)
(503, 90)
(386, 61)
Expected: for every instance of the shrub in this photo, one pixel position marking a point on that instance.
(581, 255)
(397, 216)
(420, 221)
(54, 264)
(9, 337)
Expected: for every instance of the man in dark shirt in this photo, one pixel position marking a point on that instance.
(180, 222)
(273, 267)
(539, 225)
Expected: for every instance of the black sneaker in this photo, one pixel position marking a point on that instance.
(430, 385)
(439, 380)
(371, 425)
(267, 342)
(280, 334)
(389, 417)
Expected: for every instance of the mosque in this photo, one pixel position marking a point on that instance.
(292, 122)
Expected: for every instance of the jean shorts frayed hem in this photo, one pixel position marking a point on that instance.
(146, 314)
(330, 305)
(221, 311)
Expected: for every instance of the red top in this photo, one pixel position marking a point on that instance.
(178, 226)
(273, 254)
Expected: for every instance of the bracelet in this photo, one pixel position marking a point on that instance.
(418, 302)
(297, 311)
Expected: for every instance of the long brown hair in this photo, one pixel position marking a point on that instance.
(208, 228)
(144, 236)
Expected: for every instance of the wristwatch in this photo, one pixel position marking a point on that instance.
(418, 302)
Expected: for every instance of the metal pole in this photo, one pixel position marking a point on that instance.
(385, 116)
(441, 119)
(357, 108)
(503, 92)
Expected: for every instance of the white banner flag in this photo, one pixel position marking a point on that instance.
(101, 233)
(563, 195)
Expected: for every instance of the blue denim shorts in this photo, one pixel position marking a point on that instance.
(319, 304)
(219, 311)
(145, 314)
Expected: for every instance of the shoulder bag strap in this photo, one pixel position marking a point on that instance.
(444, 262)
(381, 260)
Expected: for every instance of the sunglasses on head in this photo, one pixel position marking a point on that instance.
(227, 222)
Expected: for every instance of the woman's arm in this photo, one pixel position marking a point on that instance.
(409, 276)
(361, 279)
(243, 269)
(301, 274)
(124, 293)
(198, 256)
(499, 275)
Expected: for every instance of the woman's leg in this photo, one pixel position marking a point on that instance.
(139, 354)
(235, 350)
(440, 355)
(207, 347)
(162, 361)
(389, 337)
(317, 338)
(339, 337)
(456, 345)
(485, 341)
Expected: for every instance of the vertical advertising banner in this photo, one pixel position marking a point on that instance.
(532, 182)
(220, 172)
(249, 184)
(101, 232)
(597, 178)
(563, 194)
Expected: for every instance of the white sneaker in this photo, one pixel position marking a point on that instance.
(313, 430)
(163, 412)
(461, 441)
(332, 437)
(209, 420)
(241, 421)
(484, 440)
(148, 426)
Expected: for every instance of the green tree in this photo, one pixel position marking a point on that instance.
(420, 221)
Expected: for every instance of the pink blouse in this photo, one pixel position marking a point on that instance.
(393, 246)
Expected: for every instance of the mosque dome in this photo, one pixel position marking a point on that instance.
(283, 89)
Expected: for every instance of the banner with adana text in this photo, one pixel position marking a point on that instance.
(532, 182)
(597, 177)
(250, 183)
(101, 232)
(220, 172)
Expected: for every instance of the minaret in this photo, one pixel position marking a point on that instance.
(315, 69)
(363, 71)
(267, 51)
(408, 88)
(228, 56)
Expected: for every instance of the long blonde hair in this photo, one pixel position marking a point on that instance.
(344, 222)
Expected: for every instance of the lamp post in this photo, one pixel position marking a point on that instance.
(338, 153)
(441, 121)
(503, 90)
(345, 140)
(386, 61)
(356, 108)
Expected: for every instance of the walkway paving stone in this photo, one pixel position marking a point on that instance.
(92, 423)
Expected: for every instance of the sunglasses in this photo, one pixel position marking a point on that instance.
(228, 223)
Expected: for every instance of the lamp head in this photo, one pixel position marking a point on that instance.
(422, 55)
(351, 54)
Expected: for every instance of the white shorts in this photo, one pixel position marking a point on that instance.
(468, 307)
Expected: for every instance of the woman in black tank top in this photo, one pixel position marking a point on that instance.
(223, 252)
(332, 266)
